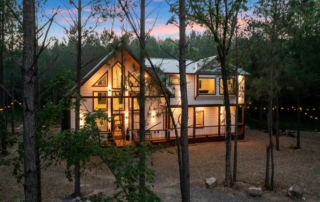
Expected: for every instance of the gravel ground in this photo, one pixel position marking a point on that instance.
(301, 167)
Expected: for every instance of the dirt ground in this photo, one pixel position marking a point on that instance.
(301, 167)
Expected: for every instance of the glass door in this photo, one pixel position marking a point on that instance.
(117, 126)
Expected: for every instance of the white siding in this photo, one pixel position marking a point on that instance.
(216, 99)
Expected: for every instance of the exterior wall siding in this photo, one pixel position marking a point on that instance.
(156, 119)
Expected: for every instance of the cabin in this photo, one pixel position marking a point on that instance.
(113, 86)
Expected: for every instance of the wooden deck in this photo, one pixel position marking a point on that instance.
(172, 141)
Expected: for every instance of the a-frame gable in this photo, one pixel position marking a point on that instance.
(102, 81)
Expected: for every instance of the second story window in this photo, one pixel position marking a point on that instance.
(206, 86)
(231, 87)
(116, 76)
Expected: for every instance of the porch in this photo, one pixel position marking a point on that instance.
(168, 138)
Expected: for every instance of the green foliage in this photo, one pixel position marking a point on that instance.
(16, 161)
(127, 168)
(74, 146)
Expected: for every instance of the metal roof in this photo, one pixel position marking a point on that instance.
(171, 65)
(209, 65)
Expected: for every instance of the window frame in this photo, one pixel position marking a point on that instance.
(105, 74)
(121, 76)
(133, 96)
(130, 75)
(101, 97)
(113, 100)
(196, 119)
(200, 83)
(221, 90)
(174, 79)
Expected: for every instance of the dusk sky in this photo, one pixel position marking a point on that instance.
(157, 14)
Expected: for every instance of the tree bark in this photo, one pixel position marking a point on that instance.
(185, 169)
(228, 172)
(298, 122)
(277, 124)
(32, 188)
(235, 152)
(2, 92)
(266, 181)
(77, 183)
(142, 98)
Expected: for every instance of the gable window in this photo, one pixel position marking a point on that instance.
(231, 86)
(117, 101)
(116, 76)
(133, 80)
(100, 101)
(103, 81)
(206, 86)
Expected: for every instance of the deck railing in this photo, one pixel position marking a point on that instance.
(193, 132)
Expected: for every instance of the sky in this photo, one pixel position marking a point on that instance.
(157, 13)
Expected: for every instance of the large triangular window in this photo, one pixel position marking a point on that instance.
(103, 81)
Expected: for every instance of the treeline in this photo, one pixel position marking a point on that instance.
(62, 54)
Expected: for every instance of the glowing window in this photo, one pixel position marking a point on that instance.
(231, 86)
(116, 76)
(133, 80)
(100, 100)
(199, 119)
(103, 81)
(207, 86)
(133, 101)
(134, 121)
(118, 101)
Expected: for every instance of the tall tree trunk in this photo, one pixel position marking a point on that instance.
(32, 188)
(270, 146)
(228, 172)
(185, 169)
(12, 107)
(277, 124)
(2, 92)
(266, 181)
(142, 98)
(298, 124)
(77, 183)
(235, 152)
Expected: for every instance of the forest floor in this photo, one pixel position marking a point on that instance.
(292, 166)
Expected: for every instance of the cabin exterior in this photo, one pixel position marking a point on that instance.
(113, 86)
